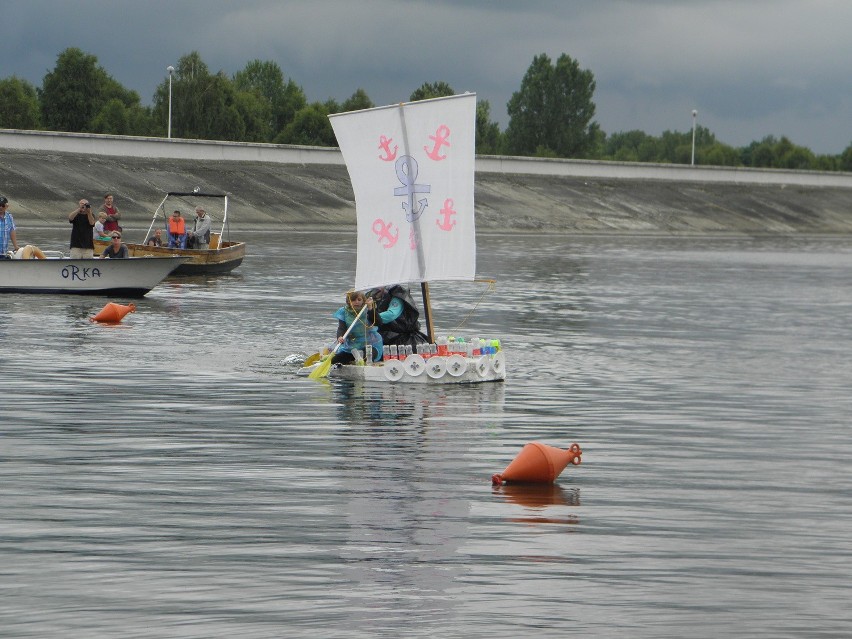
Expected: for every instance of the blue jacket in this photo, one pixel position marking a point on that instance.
(365, 332)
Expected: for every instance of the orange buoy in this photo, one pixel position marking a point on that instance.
(113, 312)
(538, 463)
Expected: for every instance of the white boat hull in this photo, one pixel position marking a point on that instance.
(131, 277)
(455, 369)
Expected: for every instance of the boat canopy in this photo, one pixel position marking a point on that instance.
(190, 194)
(195, 194)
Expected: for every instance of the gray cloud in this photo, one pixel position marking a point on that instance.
(751, 68)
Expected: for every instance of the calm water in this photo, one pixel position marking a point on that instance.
(172, 477)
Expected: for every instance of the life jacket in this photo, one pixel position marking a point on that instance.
(177, 226)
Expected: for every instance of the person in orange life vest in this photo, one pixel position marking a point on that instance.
(177, 231)
(113, 216)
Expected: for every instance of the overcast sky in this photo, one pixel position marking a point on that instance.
(751, 68)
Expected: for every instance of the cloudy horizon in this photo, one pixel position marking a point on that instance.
(751, 69)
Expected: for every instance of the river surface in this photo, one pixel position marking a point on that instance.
(171, 476)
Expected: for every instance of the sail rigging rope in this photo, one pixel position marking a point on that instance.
(491, 287)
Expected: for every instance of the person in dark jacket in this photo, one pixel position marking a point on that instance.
(82, 222)
(398, 317)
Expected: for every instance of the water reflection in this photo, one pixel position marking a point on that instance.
(174, 476)
(539, 498)
(386, 404)
(404, 524)
(379, 404)
(538, 495)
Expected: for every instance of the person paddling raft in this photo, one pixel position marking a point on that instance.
(362, 334)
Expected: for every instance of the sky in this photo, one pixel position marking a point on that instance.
(750, 68)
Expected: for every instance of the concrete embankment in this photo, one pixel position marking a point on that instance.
(44, 174)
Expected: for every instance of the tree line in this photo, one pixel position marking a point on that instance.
(550, 115)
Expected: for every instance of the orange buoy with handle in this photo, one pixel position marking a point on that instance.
(113, 312)
(538, 463)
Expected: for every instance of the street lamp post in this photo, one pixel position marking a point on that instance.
(694, 115)
(171, 70)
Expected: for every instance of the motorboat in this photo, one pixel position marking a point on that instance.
(222, 255)
(130, 277)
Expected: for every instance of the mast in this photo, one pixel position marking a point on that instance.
(427, 312)
(415, 222)
(421, 260)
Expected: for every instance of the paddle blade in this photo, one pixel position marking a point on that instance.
(312, 359)
(322, 370)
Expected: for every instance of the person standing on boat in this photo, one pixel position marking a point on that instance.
(363, 333)
(7, 228)
(199, 236)
(82, 222)
(177, 231)
(112, 215)
(116, 249)
(398, 317)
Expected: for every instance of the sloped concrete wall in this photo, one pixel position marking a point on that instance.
(44, 174)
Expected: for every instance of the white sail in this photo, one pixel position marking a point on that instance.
(412, 170)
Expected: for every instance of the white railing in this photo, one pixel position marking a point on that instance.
(174, 148)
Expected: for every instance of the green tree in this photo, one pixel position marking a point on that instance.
(76, 91)
(553, 110)
(113, 118)
(772, 152)
(632, 146)
(310, 127)
(331, 106)
(356, 102)
(846, 159)
(488, 136)
(798, 158)
(283, 99)
(204, 105)
(827, 163)
(718, 154)
(431, 90)
(759, 153)
(19, 108)
(118, 119)
(255, 115)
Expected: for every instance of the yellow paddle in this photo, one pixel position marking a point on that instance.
(325, 365)
(312, 359)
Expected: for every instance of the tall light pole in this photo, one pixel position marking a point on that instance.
(694, 115)
(171, 70)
